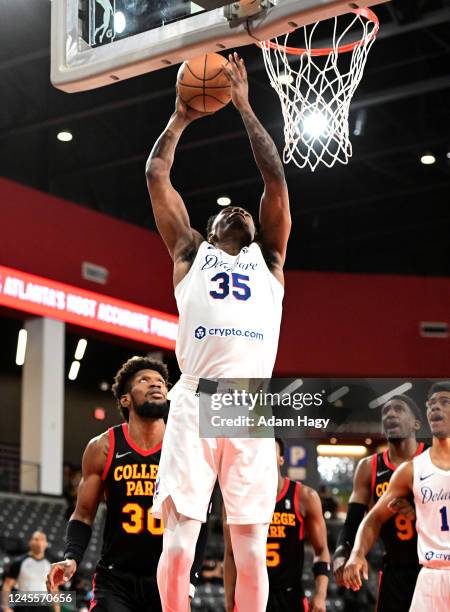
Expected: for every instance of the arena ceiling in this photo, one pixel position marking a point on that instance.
(384, 212)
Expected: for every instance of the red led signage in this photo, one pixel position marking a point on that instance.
(48, 298)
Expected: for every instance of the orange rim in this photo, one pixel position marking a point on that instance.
(362, 12)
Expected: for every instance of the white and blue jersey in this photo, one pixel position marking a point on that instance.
(432, 500)
(230, 315)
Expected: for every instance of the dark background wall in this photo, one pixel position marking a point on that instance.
(10, 394)
(79, 422)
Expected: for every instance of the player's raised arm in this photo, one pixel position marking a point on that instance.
(317, 534)
(170, 212)
(274, 215)
(357, 508)
(400, 485)
(79, 527)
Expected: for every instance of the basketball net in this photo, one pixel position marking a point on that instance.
(315, 95)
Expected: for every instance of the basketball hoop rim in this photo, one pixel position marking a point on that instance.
(362, 12)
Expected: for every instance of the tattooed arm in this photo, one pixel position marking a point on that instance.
(170, 212)
(274, 215)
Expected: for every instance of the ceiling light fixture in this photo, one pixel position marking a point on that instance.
(21, 347)
(74, 369)
(341, 450)
(64, 136)
(224, 201)
(428, 159)
(360, 122)
(81, 348)
(315, 125)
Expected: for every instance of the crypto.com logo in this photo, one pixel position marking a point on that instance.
(200, 332)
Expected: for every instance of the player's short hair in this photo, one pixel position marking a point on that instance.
(209, 224)
(280, 443)
(414, 408)
(437, 387)
(123, 378)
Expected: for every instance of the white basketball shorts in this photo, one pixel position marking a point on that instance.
(189, 466)
(432, 592)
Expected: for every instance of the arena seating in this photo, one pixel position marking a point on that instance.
(21, 515)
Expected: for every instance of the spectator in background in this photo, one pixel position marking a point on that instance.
(29, 573)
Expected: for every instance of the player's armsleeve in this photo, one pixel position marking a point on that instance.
(347, 535)
(357, 507)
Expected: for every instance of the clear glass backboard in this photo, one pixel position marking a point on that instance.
(106, 21)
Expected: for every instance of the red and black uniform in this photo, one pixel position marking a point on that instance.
(399, 536)
(125, 577)
(285, 552)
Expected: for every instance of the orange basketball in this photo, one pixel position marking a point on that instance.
(202, 84)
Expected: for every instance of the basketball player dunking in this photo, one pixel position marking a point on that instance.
(229, 291)
(427, 476)
(400, 418)
(298, 512)
(121, 464)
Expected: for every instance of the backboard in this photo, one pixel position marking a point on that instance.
(99, 42)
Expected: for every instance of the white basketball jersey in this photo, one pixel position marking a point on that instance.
(432, 498)
(230, 314)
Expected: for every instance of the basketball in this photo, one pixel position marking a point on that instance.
(202, 84)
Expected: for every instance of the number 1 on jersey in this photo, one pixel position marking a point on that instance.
(444, 519)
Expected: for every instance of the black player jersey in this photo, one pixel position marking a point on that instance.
(285, 540)
(398, 534)
(132, 538)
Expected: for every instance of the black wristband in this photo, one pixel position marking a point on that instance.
(78, 535)
(321, 568)
(347, 535)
